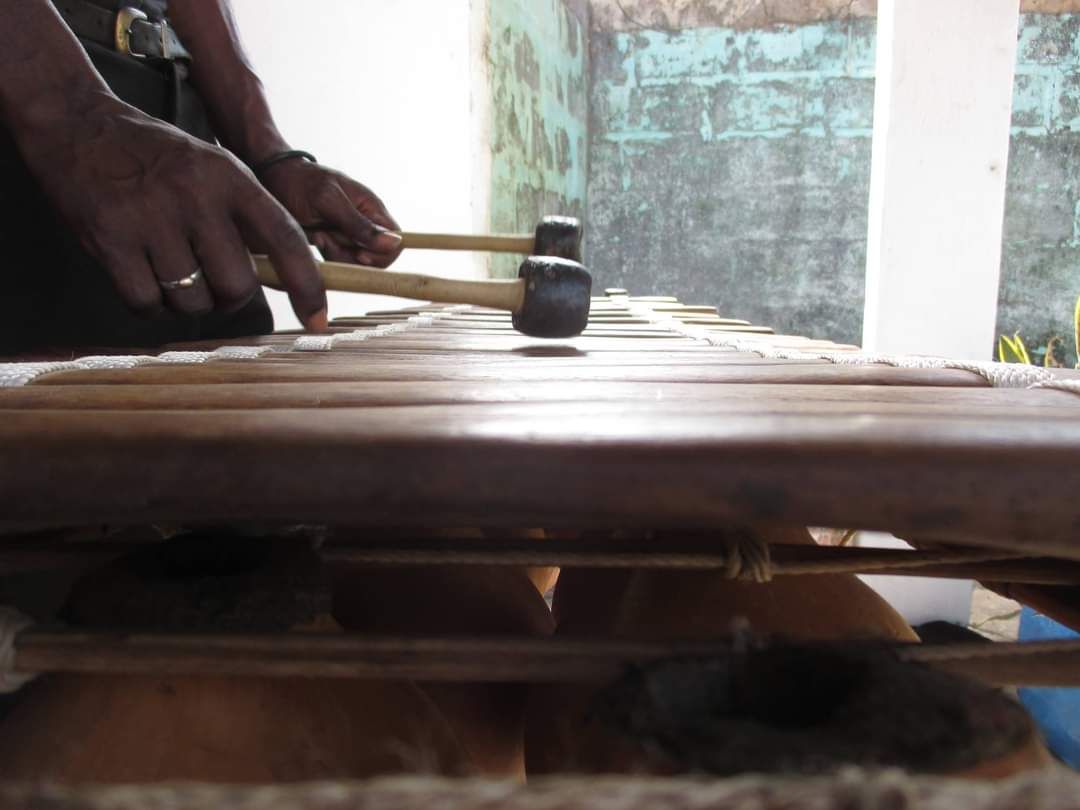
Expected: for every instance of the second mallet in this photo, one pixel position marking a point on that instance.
(549, 299)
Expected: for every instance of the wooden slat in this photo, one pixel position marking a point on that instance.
(1059, 603)
(953, 403)
(736, 371)
(552, 465)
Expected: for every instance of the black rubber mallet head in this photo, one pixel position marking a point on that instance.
(559, 236)
(558, 294)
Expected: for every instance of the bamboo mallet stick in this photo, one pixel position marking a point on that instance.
(496, 294)
(491, 243)
(555, 236)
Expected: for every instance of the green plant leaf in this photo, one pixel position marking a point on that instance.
(1013, 350)
(1076, 327)
(1002, 356)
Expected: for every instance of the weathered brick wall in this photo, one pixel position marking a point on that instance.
(538, 57)
(732, 165)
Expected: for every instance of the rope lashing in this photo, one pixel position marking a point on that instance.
(12, 622)
(999, 375)
(16, 375)
(1071, 386)
(748, 558)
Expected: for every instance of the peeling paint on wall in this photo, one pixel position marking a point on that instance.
(538, 53)
(732, 167)
(679, 15)
(1041, 263)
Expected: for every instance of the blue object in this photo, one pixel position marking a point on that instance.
(1056, 711)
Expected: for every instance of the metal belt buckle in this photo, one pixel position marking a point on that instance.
(125, 18)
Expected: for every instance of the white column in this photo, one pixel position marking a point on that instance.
(942, 112)
(937, 193)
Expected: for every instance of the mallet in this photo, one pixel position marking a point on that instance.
(549, 299)
(555, 236)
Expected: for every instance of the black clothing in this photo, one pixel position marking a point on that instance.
(52, 293)
(154, 9)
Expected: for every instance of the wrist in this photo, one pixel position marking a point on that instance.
(261, 168)
(53, 118)
(47, 82)
(258, 142)
(243, 120)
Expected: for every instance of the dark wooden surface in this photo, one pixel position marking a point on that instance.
(466, 423)
(1005, 405)
(552, 464)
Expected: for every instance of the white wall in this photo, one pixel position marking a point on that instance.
(937, 189)
(384, 92)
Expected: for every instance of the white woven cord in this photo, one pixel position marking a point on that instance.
(11, 624)
(16, 375)
(1071, 386)
(314, 343)
(999, 375)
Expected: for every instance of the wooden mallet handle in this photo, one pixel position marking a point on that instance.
(549, 299)
(523, 244)
(495, 294)
(555, 236)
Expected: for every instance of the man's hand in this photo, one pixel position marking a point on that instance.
(343, 218)
(154, 205)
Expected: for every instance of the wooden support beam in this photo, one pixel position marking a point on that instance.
(489, 660)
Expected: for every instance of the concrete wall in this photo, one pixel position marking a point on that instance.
(538, 63)
(730, 164)
(732, 167)
(1041, 262)
(678, 15)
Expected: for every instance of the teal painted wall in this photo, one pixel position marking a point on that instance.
(1041, 263)
(538, 52)
(733, 167)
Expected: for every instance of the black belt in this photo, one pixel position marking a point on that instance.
(128, 31)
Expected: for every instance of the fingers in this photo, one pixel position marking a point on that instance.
(274, 230)
(134, 280)
(329, 247)
(229, 269)
(337, 210)
(336, 248)
(180, 276)
(368, 203)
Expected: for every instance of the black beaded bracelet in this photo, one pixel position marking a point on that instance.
(260, 167)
